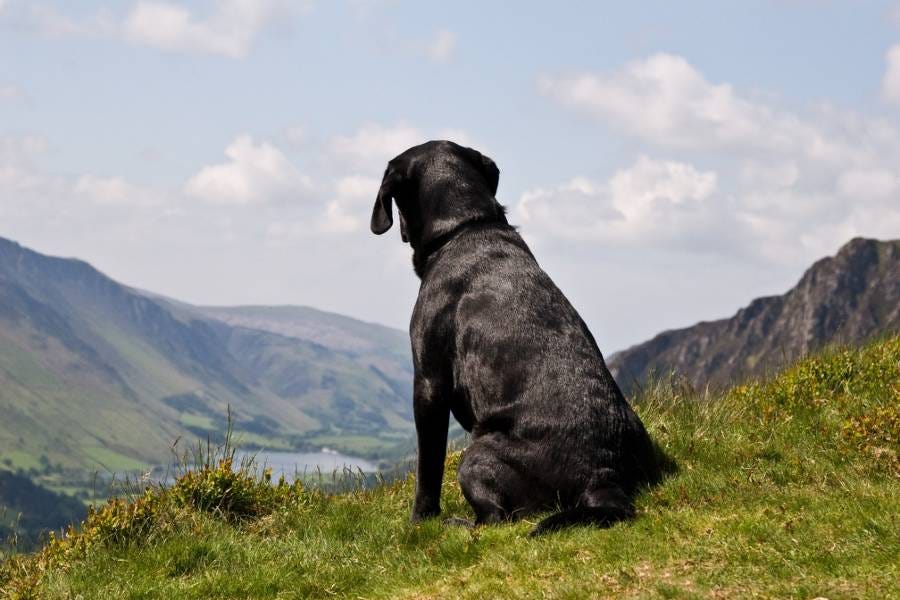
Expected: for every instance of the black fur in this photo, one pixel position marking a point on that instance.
(497, 344)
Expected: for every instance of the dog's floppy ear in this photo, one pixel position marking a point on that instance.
(382, 217)
(486, 166)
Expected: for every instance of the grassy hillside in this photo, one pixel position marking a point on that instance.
(789, 488)
(95, 375)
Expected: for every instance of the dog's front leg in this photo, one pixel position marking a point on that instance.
(432, 415)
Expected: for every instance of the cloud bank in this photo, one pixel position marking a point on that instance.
(751, 177)
(229, 29)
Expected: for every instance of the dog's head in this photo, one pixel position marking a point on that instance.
(437, 186)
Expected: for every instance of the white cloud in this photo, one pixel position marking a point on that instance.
(348, 210)
(665, 101)
(651, 199)
(229, 31)
(761, 213)
(349, 177)
(375, 143)
(23, 181)
(771, 176)
(442, 46)
(338, 220)
(876, 183)
(788, 185)
(50, 22)
(295, 135)
(890, 83)
(254, 174)
(356, 186)
(651, 186)
(18, 150)
(786, 213)
(55, 205)
(17, 166)
(279, 233)
(362, 157)
(114, 191)
(15, 180)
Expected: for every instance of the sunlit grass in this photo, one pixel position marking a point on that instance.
(789, 488)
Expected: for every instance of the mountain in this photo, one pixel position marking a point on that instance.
(99, 375)
(847, 298)
(382, 349)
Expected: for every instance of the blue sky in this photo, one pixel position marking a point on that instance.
(667, 161)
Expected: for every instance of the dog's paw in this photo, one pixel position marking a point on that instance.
(459, 522)
(421, 515)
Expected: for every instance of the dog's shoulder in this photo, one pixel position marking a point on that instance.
(480, 251)
(474, 263)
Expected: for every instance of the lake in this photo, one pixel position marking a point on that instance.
(290, 463)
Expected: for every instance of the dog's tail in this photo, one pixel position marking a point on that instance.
(599, 506)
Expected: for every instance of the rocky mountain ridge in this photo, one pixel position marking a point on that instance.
(847, 298)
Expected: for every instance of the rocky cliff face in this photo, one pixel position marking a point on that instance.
(847, 298)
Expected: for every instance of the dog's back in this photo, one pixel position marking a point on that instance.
(549, 423)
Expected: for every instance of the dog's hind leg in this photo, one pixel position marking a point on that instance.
(493, 488)
(603, 503)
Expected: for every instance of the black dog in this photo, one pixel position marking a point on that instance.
(497, 344)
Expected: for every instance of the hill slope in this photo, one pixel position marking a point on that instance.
(847, 298)
(94, 374)
(28, 510)
(787, 489)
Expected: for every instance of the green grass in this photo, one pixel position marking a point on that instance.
(19, 460)
(357, 445)
(361, 445)
(200, 421)
(41, 378)
(110, 460)
(785, 489)
(254, 440)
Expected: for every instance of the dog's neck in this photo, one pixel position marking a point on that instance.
(422, 254)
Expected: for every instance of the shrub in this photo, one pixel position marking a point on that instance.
(213, 485)
(234, 494)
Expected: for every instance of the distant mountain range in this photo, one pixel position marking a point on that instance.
(847, 298)
(99, 375)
